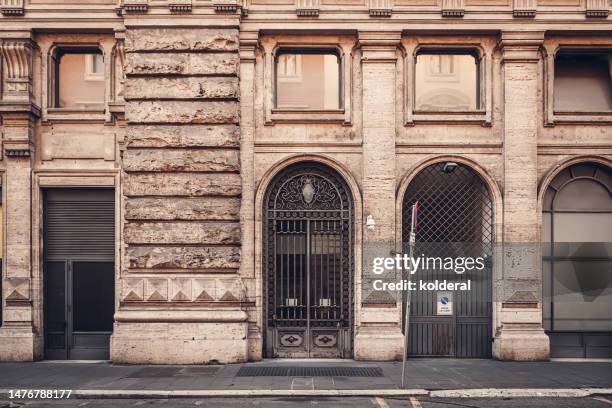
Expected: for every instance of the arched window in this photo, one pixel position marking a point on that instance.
(577, 261)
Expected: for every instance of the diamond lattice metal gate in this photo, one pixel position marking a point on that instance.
(456, 221)
(308, 263)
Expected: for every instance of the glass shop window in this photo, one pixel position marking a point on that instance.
(583, 82)
(79, 82)
(308, 80)
(446, 81)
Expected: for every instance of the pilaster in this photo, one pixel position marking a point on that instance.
(18, 336)
(519, 334)
(249, 45)
(378, 336)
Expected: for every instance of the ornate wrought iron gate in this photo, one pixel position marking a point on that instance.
(308, 263)
(456, 220)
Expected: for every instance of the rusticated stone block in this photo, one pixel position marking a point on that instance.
(201, 233)
(182, 112)
(184, 257)
(181, 88)
(181, 160)
(194, 185)
(188, 39)
(183, 136)
(181, 64)
(208, 208)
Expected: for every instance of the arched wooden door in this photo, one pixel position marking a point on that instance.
(308, 263)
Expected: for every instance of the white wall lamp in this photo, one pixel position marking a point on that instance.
(370, 223)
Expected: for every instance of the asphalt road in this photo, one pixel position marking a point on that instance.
(346, 402)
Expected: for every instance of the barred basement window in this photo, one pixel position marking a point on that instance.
(308, 80)
(447, 81)
(79, 79)
(583, 81)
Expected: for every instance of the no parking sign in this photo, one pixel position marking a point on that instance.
(444, 304)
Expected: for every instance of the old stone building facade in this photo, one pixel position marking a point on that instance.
(163, 221)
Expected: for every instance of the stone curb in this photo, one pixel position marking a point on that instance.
(459, 393)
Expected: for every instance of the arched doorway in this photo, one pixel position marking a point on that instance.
(456, 221)
(577, 261)
(308, 232)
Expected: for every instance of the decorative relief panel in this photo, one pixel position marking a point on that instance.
(597, 8)
(156, 290)
(136, 6)
(182, 289)
(307, 8)
(17, 290)
(225, 6)
(12, 7)
(453, 8)
(180, 6)
(291, 339)
(325, 339)
(525, 8)
(18, 57)
(381, 8)
(133, 290)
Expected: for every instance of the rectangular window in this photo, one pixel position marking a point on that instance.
(447, 81)
(583, 82)
(79, 79)
(308, 80)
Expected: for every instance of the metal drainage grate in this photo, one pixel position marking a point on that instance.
(166, 372)
(309, 372)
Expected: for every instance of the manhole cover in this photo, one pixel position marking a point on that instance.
(309, 372)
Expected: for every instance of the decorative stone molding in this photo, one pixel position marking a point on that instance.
(521, 46)
(225, 6)
(194, 290)
(525, 8)
(453, 8)
(180, 6)
(597, 8)
(18, 290)
(381, 8)
(18, 57)
(12, 7)
(307, 8)
(136, 6)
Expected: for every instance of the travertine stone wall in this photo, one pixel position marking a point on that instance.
(181, 187)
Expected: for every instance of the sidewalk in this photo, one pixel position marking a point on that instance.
(307, 377)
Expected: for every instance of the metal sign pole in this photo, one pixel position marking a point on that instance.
(415, 209)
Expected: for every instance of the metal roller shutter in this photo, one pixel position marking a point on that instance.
(80, 224)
